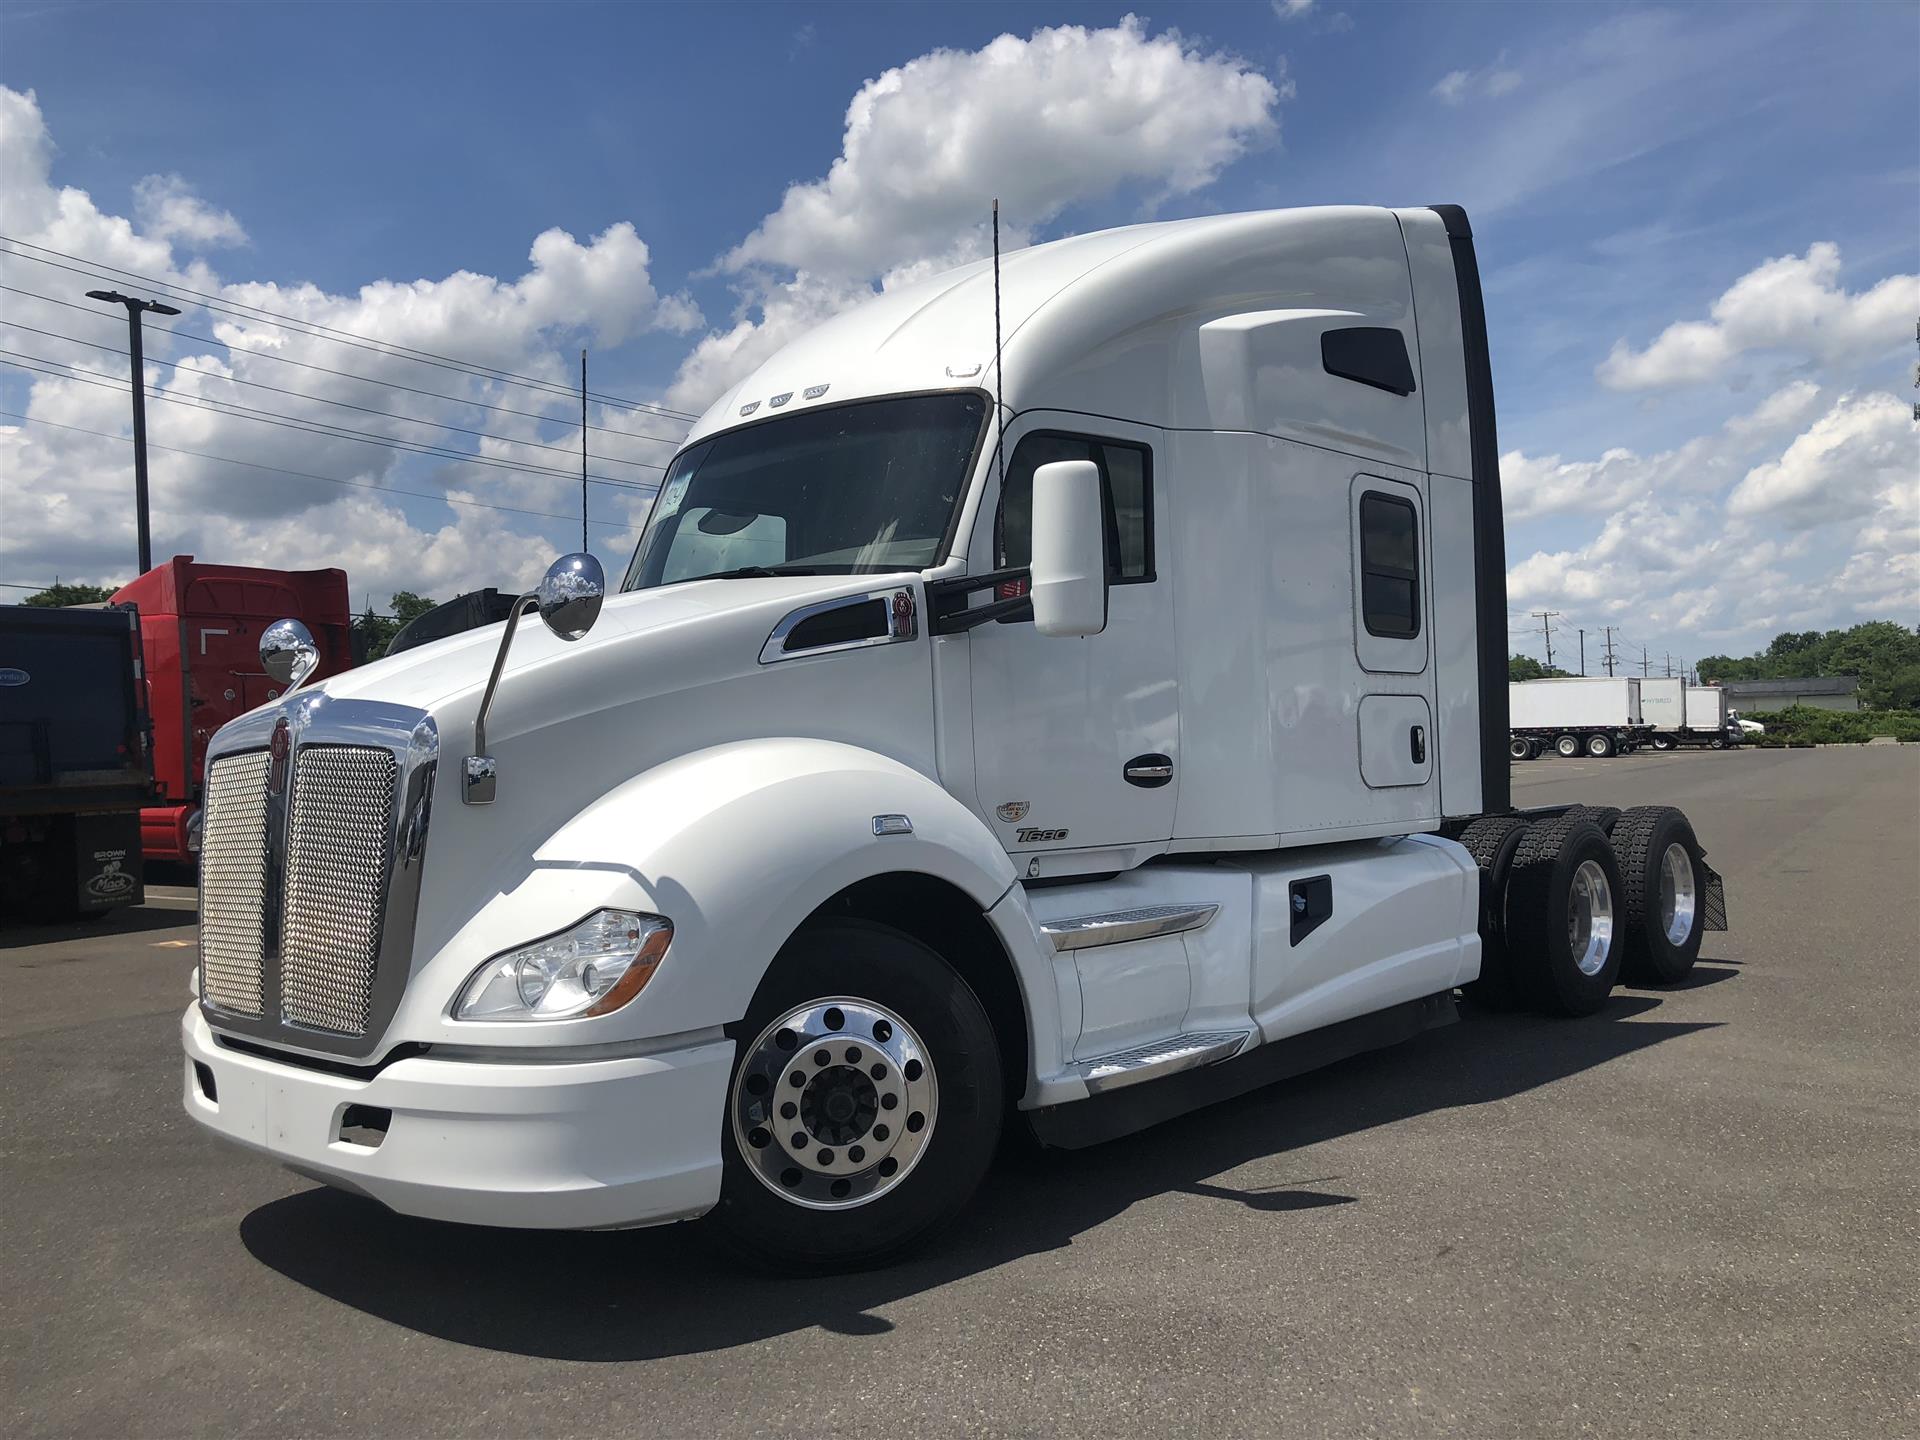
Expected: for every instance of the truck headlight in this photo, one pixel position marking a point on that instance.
(592, 969)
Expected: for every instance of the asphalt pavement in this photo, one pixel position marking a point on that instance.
(1695, 1214)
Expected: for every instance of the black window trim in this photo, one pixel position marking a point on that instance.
(1112, 524)
(1389, 572)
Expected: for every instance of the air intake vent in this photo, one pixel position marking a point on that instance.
(337, 862)
(233, 884)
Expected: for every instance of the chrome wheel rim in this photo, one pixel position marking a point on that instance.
(1569, 746)
(834, 1103)
(1590, 917)
(1679, 897)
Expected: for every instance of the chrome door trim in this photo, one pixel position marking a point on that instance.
(903, 623)
(1116, 927)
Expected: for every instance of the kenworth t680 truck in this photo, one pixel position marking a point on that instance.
(1059, 694)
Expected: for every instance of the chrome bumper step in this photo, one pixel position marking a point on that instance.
(1161, 1057)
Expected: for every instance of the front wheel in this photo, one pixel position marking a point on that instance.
(865, 1103)
(1663, 742)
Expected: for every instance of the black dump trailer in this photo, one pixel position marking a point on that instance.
(74, 762)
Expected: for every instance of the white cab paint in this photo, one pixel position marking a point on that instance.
(658, 765)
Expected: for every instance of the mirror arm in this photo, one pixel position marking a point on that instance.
(477, 775)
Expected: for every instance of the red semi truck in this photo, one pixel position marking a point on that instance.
(201, 625)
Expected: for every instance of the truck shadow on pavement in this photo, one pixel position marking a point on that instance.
(644, 1294)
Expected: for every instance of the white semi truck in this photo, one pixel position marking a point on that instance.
(1591, 715)
(1058, 694)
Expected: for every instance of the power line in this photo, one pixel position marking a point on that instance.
(314, 328)
(322, 400)
(304, 426)
(309, 475)
(321, 369)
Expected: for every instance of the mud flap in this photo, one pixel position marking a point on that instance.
(1714, 903)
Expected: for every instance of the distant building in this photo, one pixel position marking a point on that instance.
(1821, 692)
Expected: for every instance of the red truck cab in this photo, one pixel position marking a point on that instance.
(201, 625)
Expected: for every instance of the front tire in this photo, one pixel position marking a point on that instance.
(849, 1160)
(1663, 742)
(1661, 866)
(1563, 916)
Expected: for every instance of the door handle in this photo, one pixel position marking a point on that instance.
(1149, 772)
(1417, 735)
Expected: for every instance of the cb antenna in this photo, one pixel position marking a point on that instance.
(999, 372)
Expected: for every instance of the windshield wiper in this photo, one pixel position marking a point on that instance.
(753, 572)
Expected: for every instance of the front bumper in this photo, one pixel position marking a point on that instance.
(565, 1145)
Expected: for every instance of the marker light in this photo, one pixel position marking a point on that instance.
(592, 969)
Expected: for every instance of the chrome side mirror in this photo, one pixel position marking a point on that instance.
(568, 599)
(288, 654)
(570, 594)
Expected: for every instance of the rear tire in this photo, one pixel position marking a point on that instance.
(1663, 883)
(790, 1192)
(1491, 842)
(1601, 747)
(1601, 815)
(1568, 746)
(1563, 916)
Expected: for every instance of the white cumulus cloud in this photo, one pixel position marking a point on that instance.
(169, 210)
(1862, 456)
(1062, 117)
(295, 497)
(1793, 303)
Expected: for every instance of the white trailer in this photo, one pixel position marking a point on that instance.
(775, 885)
(1709, 721)
(1597, 715)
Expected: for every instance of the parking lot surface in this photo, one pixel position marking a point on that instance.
(1696, 1214)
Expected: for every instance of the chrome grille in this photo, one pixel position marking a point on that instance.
(337, 858)
(233, 884)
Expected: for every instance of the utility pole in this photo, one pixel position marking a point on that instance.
(1545, 617)
(135, 308)
(1609, 650)
(1644, 666)
(1669, 658)
(1583, 650)
(584, 547)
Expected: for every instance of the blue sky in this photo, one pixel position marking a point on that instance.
(1625, 167)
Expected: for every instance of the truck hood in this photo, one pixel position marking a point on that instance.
(724, 614)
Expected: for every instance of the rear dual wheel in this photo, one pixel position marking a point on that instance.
(1563, 918)
(1663, 872)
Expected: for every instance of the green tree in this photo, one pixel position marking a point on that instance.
(1525, 667)
(372, 632)
(57, 595)
(1883, 653)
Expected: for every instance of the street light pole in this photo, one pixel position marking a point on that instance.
(135, 308)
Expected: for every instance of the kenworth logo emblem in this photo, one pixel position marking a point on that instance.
(11, 676)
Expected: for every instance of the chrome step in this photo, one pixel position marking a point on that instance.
(1160, 1057)
(1116, 927)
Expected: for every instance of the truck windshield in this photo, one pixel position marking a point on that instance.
(844, 490)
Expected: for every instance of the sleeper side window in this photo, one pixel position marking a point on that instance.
(1126, 479)
(1389, 566)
